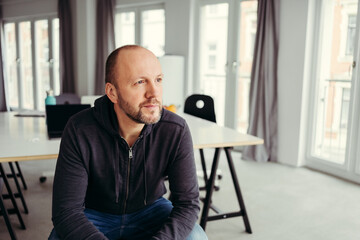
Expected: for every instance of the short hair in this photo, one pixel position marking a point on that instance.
(112, 60)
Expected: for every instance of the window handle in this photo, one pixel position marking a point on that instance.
(235, 65)
(351, 67)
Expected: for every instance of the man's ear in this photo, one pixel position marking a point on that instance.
(111, 92)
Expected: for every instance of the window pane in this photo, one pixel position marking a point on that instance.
(334, 76)
(350, 35)
(26, 65)
(124, 28)
(42, 58)
(213, 45)
(153, 31)
(247, 32)
(11, 65)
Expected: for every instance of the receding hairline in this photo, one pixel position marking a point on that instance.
(113, 59)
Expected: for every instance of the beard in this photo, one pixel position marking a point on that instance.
(138, 115)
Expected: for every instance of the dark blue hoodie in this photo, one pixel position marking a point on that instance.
(97, 169)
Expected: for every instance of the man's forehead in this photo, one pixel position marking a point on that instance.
(137, 61)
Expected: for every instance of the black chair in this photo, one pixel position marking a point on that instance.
(202, 106)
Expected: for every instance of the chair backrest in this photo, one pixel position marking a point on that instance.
(67, 98)
(201, 106)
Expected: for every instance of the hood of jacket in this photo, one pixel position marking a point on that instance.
(105, 115)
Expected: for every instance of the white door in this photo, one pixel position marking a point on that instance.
(226, 35)
(334, 132)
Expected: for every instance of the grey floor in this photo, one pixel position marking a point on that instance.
(282, 202)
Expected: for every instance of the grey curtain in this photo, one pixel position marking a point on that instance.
(3, 104)
(105, 40)
(263, 112)
(67, 79)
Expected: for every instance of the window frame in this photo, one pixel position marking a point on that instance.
(350, 168)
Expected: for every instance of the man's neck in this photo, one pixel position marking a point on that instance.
(128, 128)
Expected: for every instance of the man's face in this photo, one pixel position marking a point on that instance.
(139, 85)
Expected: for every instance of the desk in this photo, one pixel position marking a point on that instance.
(25, 138)
(207, 134)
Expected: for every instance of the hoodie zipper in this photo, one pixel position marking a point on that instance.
(128, 178)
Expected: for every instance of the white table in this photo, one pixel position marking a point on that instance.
(25, 138)
(207, 134)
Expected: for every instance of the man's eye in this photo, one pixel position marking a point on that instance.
(140, 82)
(159, 80)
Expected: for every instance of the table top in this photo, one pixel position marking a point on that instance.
(25, 138)
(207, 134)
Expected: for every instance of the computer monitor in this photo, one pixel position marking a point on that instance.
(58, 115)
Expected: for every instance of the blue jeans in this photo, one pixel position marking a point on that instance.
(139, 225)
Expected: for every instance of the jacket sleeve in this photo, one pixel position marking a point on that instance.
(69, 189)
(184, 192)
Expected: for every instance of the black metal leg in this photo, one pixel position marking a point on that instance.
(20, 175)
(12, 198)
(5, 215)
(203, 164)
(19, 193)
(237, 190)
(209, 189)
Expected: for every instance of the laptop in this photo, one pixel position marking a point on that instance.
(58, 115)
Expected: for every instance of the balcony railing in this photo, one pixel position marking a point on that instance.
(332, 120)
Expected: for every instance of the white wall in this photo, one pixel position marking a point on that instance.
(18, 9)
(291, 76)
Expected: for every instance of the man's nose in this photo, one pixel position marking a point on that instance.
(154, 90)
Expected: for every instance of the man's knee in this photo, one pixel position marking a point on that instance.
(197, 233)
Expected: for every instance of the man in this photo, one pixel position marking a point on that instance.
(114, 158)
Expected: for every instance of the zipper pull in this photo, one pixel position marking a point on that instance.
(130, 153)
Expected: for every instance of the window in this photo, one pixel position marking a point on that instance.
(31, 61)
(212, 56)
(334, 82)
(142, 25)
(125, 28)
(350, 41)
(221, 72)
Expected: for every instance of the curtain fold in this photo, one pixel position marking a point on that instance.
(105, 40)
(67, 79)
(263, 109)
(3, 103)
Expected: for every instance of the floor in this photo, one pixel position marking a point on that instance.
(282, 203)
